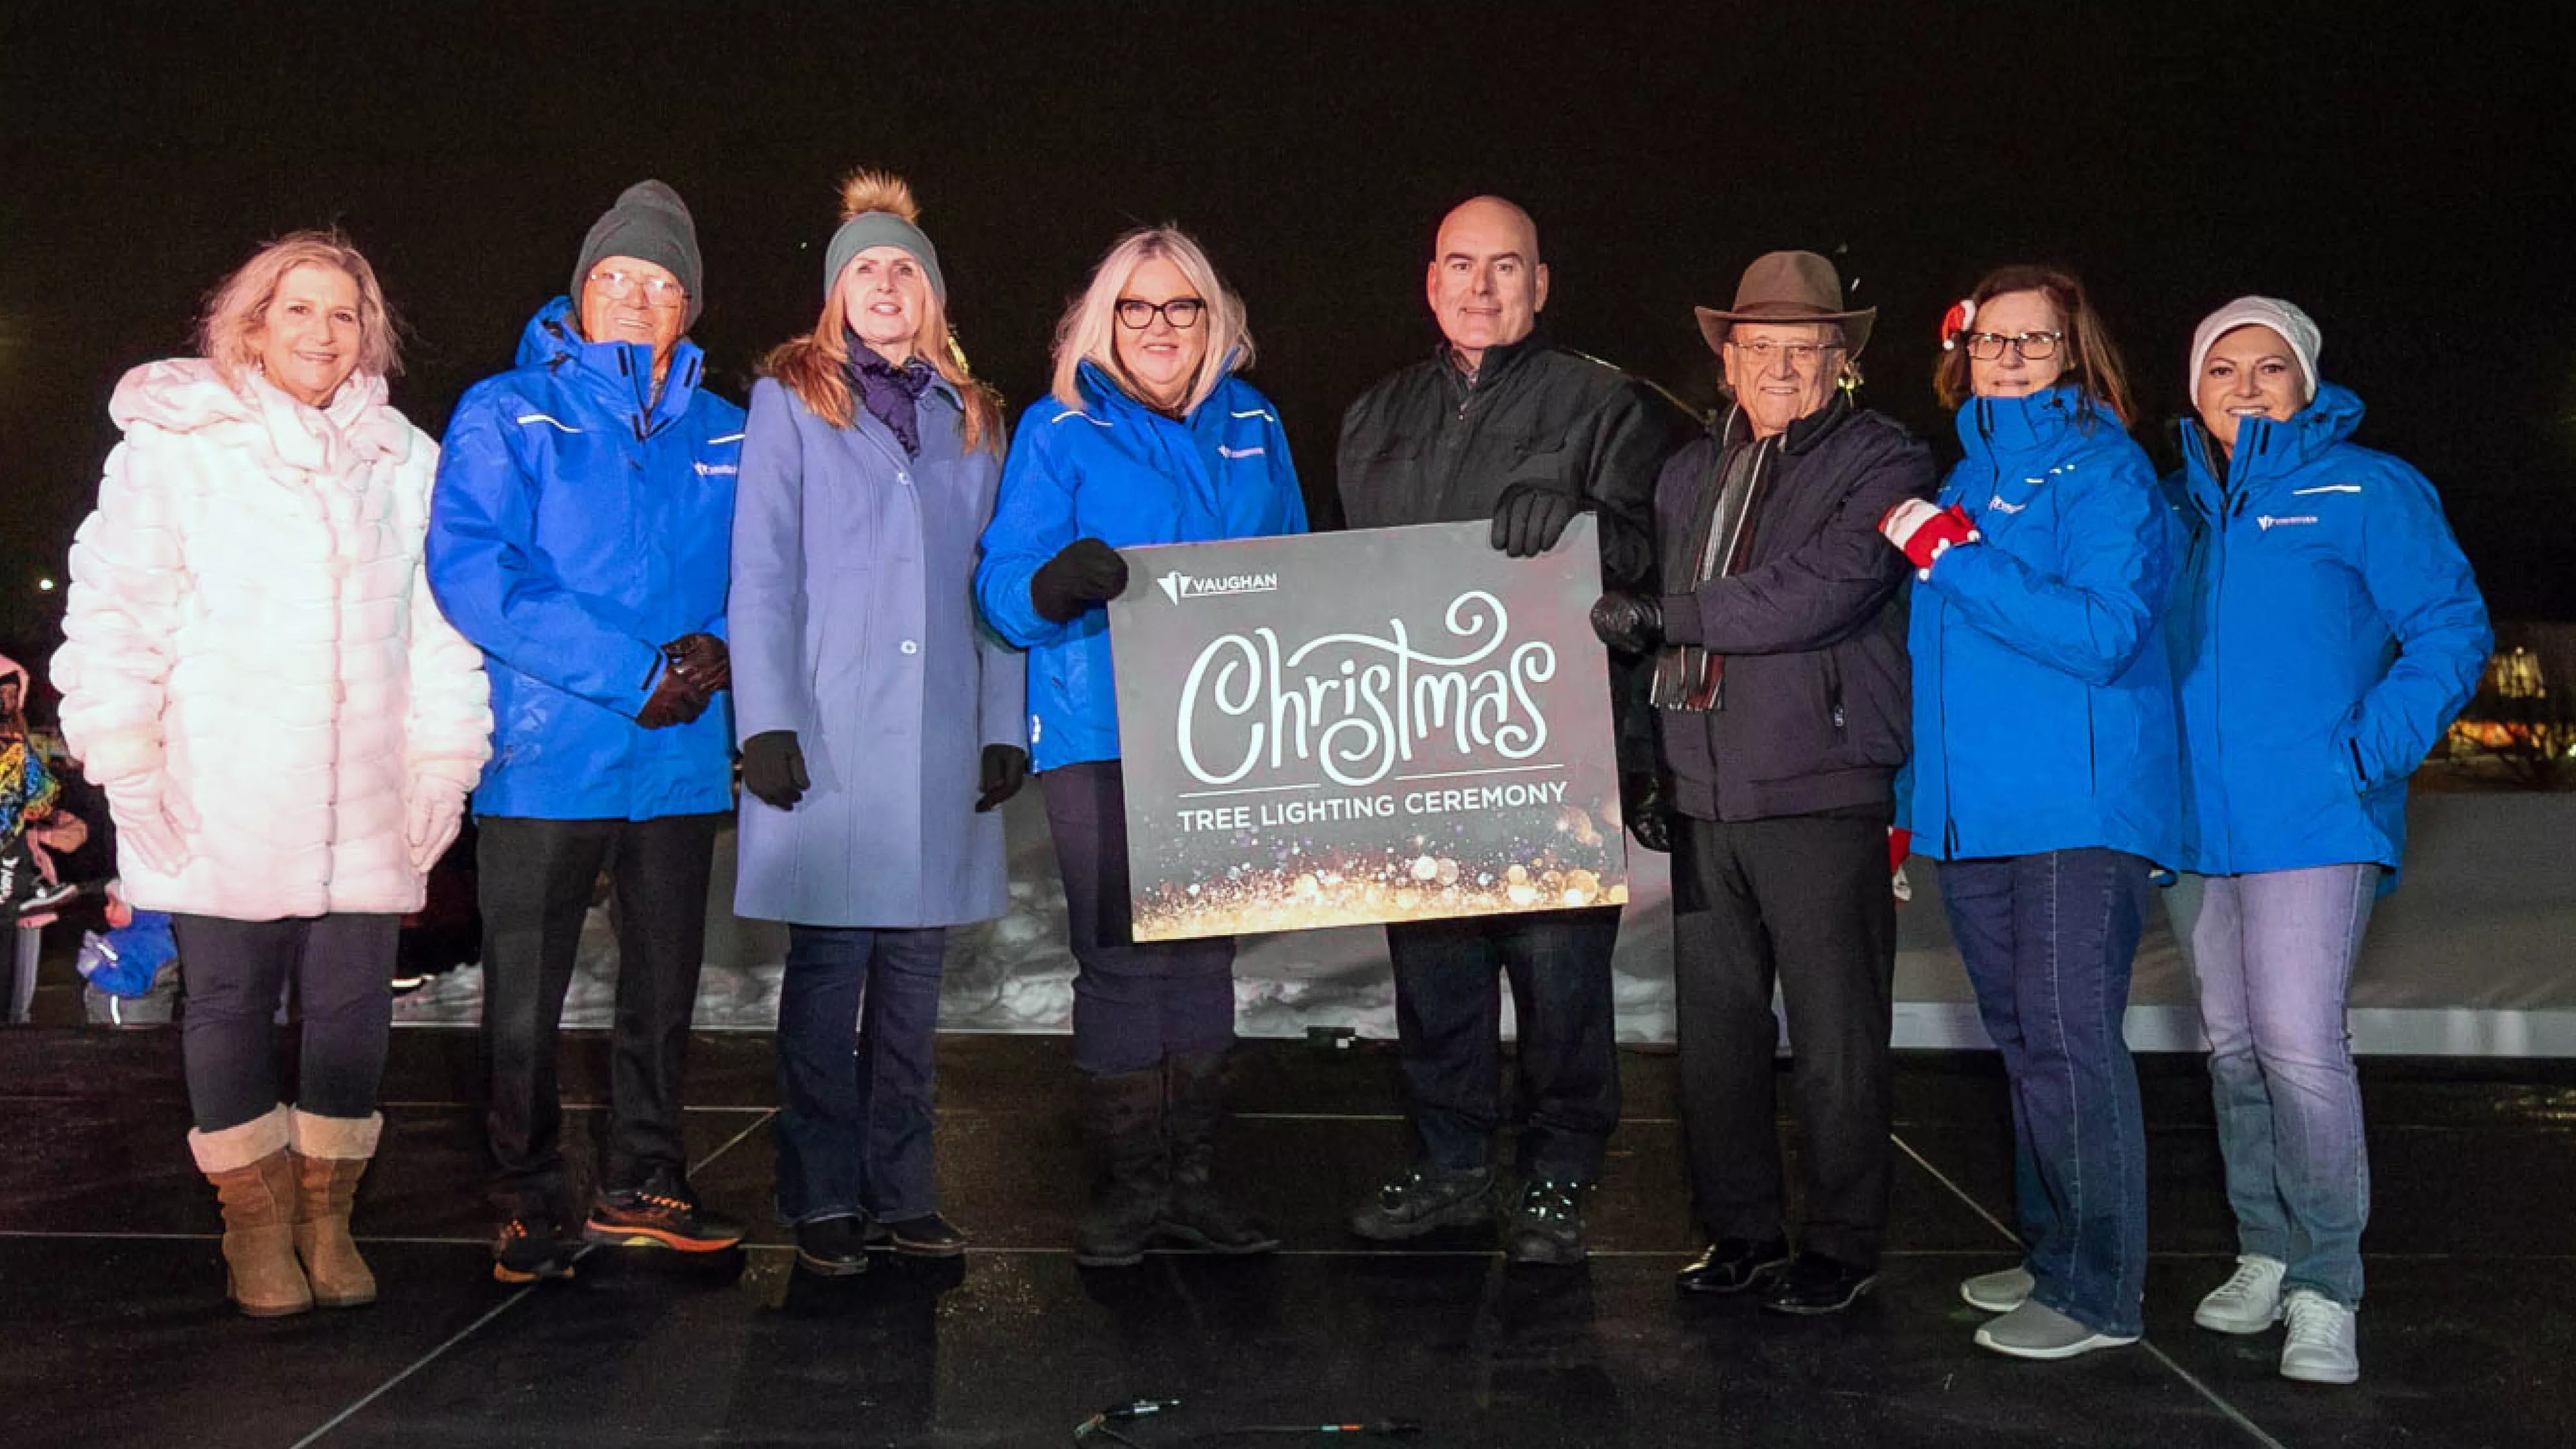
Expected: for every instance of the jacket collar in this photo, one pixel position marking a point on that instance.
(2268, 450)
(1800, 437)
(1105, 399)
(619, 374)
(1498, 361)
(2017, 427)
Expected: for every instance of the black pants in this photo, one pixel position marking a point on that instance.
(1448, 1016)
(1804, 901)
(536, 881)
(1133, 1004)
(342, 966)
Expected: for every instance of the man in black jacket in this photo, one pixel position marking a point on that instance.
(1782, 685)
(1501, 425)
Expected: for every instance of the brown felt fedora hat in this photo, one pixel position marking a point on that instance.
(1789, 287)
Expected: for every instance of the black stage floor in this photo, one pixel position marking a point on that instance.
(117, 1334)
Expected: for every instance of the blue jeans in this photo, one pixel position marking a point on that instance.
(854, 1122)
(2274, 953)
(2048, 940)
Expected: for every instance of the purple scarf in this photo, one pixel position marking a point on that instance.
(892, 393)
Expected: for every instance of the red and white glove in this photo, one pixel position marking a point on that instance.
(1925, 532)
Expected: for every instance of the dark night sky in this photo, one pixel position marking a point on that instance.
(2387, 166)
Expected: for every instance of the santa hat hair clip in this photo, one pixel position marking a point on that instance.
(1958, 319)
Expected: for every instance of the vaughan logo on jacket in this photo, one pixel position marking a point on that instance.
(2268, 522)
(1177, 587)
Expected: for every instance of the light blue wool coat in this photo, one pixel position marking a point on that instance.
(854, 625)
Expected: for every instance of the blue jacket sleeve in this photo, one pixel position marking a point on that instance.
(1002, 679)
(499, 591)
(2421, 584)
(1032, 522)
(767, 604)
(2091, 620)
(1283, 471)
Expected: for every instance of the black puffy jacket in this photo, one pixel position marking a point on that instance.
(1813, 711)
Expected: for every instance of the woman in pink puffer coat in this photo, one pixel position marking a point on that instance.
(284, 726)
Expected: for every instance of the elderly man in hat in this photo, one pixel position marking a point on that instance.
(1779, 683)
(580, 534)
(1501, 424)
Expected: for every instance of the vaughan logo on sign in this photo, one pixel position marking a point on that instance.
(1177, 587)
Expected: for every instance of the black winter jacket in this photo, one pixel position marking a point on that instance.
(1814, 709)
(1424, 446)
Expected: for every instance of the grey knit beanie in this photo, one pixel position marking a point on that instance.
(2295, 327)
(651, 224)
(881, 229)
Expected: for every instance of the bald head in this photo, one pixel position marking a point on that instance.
(1486, 283)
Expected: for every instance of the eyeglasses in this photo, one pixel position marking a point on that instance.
(1136, 314)
(658, 291)
(1801, 355)
(2033, 346)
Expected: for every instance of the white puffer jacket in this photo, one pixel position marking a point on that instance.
(251, 643)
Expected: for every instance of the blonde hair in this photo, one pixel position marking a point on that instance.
(237, 309)
(1088, 330)
(814, 366)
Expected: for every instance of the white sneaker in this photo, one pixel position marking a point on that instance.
(2321, 1347)
(2000, 1291)
(2248, 1302)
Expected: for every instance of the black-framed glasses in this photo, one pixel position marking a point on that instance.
(1136, 314)
(2033, 346)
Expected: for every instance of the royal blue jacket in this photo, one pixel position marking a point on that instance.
(579, 523)
(2043, 700)
(1118, 471)
(2325, 630)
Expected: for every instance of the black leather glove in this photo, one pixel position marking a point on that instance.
(703, 660)
(1629, 623)
(1085, 573)
(1006, 768)
(1650, 819)
(676, 698)
(773, 768)
(1528, 519)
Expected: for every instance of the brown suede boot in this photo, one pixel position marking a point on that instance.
(331, 1154)
(254, 1178)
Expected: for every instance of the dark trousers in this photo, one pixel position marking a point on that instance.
(854, 1118)
(342, 968)
(2048, 940)
(1802, 901)
(1448, 1018)
(1133, 1005)
(536, 878)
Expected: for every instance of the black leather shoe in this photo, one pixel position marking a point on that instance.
(833, 1247)
(927, 1236)
(1814, 1284)
(1731, 1265)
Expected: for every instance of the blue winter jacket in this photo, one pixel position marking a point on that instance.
(577, 526)
(2043, 701)
(2325, 630)
(1118, 471)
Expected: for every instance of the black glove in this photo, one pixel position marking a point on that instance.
(1006, 768)
(1528, 519)
(1087, 572)
(773, 768)
(1629, 623)
(1641, 799)
(703, 660)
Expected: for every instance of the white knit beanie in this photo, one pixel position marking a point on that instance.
(2295, 327)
